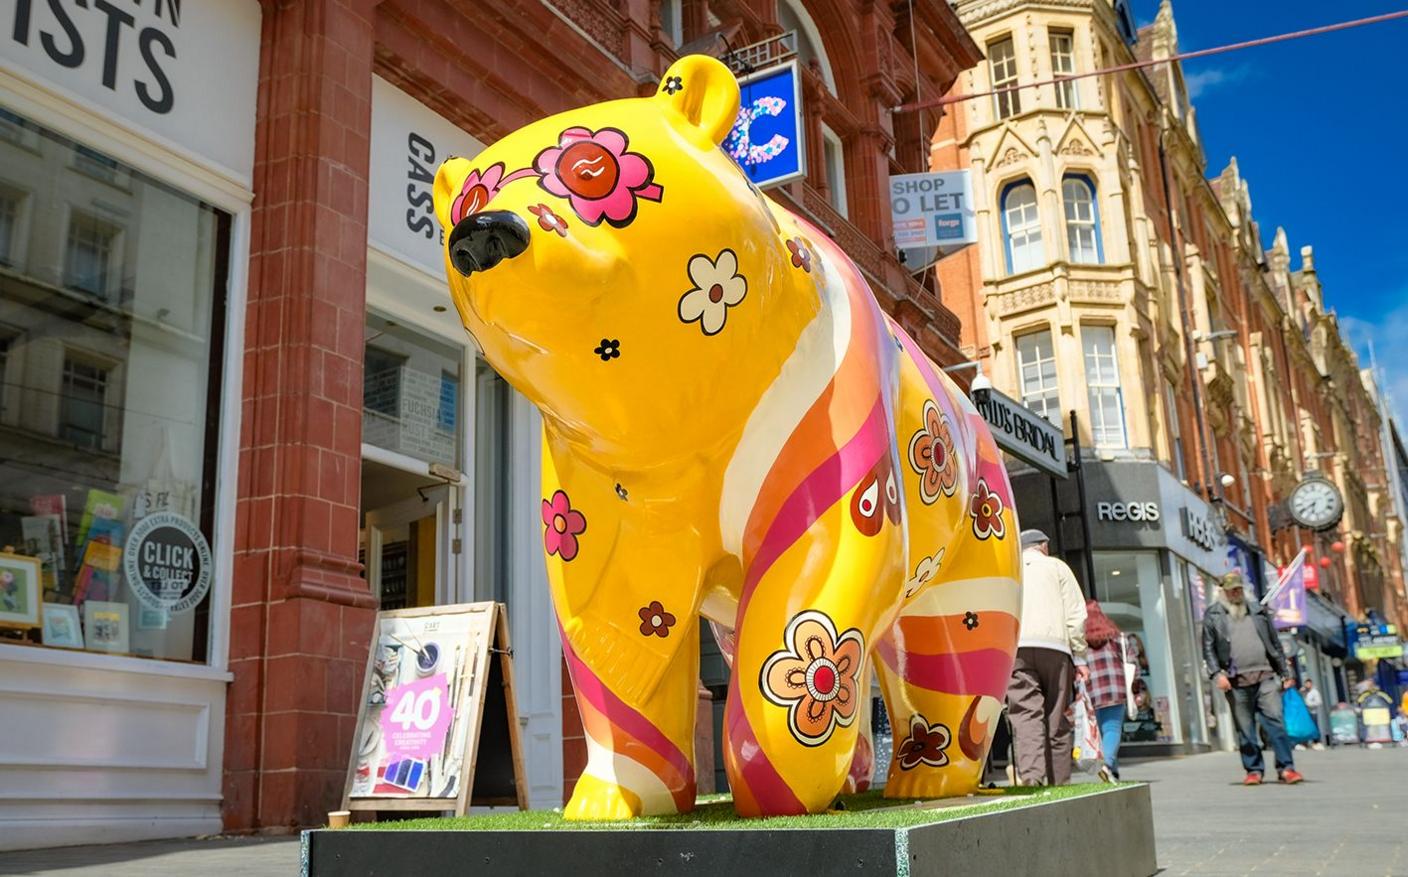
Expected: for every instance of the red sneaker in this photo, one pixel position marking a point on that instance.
(1252, 779)
(1291, 776)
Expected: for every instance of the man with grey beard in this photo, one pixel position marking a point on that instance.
(1244, 659)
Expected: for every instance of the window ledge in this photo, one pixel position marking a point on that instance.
(35, 654)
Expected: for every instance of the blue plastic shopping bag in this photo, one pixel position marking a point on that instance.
(1300, 725)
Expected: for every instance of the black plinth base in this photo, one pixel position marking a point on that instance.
(1108, 833)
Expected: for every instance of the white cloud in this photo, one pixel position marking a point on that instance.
(1203, 81)
(1384, 336)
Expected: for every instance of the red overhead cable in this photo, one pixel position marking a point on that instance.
(1262, 41)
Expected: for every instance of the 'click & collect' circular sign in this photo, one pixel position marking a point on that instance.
(167, 563)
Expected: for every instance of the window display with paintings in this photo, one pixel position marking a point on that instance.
(112, 322)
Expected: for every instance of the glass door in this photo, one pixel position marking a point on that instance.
(409, 547)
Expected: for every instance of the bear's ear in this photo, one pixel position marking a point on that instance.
(448, 182)
(704, 92)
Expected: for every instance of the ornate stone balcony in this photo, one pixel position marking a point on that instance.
(1112, 285)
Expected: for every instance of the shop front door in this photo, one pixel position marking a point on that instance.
(409, 547)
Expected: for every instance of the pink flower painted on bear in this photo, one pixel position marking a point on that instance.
(562, 524)
(593, 170)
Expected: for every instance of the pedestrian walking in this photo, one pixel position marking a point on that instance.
(1314, 701)
(1050, 655)
(1244, 658)
(1106, 655)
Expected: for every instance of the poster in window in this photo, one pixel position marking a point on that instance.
(20, 598)
(62, 627)
(105, 626)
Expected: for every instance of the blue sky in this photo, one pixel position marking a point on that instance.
(1318, 128)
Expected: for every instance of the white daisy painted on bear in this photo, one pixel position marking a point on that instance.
(717, 287)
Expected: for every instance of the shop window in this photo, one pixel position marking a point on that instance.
(111, 404)
(1129, 586)
(410, 393)
(1082, 221)
(91, 256)
(1102, 377)
(1021, 226)
(493, 517)
(834, 155)
(1036, 366)
(1002, 61)
(1063, 63)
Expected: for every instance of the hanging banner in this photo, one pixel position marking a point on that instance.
(1287, 599)
(766, 141)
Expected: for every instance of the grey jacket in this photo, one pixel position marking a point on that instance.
(1217, 643)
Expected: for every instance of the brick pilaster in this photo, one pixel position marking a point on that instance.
(301, 612)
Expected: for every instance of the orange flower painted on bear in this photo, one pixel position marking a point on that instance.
(931, 454)
(815, 676)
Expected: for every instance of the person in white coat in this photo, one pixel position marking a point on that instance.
(1050, 656)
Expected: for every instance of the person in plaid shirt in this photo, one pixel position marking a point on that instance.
(1107, 683)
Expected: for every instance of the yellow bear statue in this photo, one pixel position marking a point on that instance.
(732, 430)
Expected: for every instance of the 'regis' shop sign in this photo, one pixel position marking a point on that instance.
(167, 563)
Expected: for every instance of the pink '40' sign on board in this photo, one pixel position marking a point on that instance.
(416, 717)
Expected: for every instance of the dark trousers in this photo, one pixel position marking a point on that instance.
(1038, 697)
(1248, 702)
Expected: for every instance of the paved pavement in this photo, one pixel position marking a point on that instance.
(1349, 819)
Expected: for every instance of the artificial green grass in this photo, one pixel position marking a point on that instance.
(866, 810)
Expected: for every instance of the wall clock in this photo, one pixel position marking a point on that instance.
(1316, 503)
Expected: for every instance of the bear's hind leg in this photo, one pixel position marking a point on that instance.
(944, 669)
(795, 701)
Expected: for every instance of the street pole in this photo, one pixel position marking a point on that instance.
(1076, 466)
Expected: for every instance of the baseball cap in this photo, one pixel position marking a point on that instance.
(1232, 579)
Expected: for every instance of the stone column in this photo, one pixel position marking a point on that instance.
(301, 613)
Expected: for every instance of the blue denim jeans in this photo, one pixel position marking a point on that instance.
(1263, 700)
(1111, 720)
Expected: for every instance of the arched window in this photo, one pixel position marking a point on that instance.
(1082, 221)
(791, 15)
(1021, 226)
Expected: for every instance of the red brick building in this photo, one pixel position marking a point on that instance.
(319, 502)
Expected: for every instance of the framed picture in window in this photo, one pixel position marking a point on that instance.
(61, 626)
(20, 594)
(105, 626)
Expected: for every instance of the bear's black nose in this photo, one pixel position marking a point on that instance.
(482, 240)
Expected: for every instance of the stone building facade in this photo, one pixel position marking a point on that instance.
(1114, 279)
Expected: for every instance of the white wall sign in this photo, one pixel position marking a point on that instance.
(409, 142)
(186, 72)
(933, 213)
